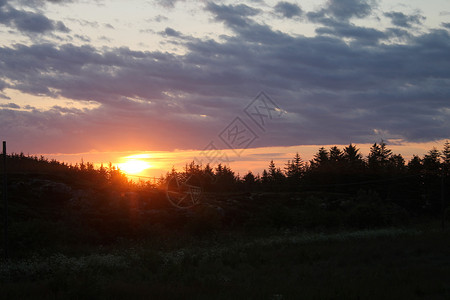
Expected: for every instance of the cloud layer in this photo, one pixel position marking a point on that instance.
(27, 21)
(347, 83)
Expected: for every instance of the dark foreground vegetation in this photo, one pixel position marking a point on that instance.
(341, 226)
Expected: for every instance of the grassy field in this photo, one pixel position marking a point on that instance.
(370, 264)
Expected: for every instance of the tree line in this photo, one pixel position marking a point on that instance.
(420, 184)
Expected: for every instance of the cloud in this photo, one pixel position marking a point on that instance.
(3, 85)
(29, 22)
(171, 32)
(346, 9)
(85, 23)
(232, 15)
(10, 105)
(333, 90)
(288, 10)
(82, 38)
(60, 1)
(337, 12)
(402, 20)
(158, 19)
(361, 34)
(168, 3)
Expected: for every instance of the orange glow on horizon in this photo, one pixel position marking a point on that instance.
(150, 164)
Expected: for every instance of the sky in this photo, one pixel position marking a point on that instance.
(169, 81)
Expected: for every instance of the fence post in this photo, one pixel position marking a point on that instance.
(5, 205)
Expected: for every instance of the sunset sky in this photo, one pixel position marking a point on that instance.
(170, 81)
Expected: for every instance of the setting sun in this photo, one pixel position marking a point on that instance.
(134, 166)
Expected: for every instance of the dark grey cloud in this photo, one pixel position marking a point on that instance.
(3, 85)
(168, 3)
(29, 22)
(288, 10)
(399, 33)
(346, 9)
(333, 90)
(336, 16)
(84, 23)
(42, 3)
(82, 38)
(60, 1)
(10, 105)
(446, 25)
(158, 19)
(361, 34)
(232, 15)
(171, 32)
(342, 11)
(402, 20)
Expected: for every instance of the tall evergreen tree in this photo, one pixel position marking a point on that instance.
(294, 168)
(397, 163)
(249, 180)
(294, 171)
(379, 156)
(415, 165)
(320, 159)
(272, 169)
(265, 180)
(445, 155)
(351, 154)
(336, 154)
(431, 161)
(225, 178)
(275, 175)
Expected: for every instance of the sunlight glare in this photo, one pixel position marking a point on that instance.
(134, 166)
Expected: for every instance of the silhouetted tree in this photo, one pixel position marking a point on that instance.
(265, 180)
(225, 179)
(445, 155)
(294, 171)
(249, 180)
(272, 170)
(294, 168)
(351, 154)
(193, 169)
(335, 163)
(336, 155)
(320, 159)
(396, 163)
(431, 161)
(431, 181)
(208, 171)
(378, 157)
(352, 160)
(415, 165)
(273, 178)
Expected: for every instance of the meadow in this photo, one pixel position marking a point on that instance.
(370, 264)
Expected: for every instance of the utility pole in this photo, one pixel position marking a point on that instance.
(5, 205)
(443, 199)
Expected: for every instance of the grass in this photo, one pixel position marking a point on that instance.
(369, 264)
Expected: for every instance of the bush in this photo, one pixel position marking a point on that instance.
(204, 219)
